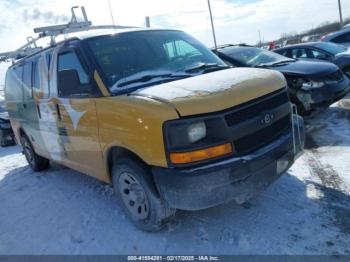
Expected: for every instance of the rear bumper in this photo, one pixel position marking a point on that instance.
(238, 178)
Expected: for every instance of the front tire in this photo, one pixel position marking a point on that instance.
(36, 162)
(138, 196)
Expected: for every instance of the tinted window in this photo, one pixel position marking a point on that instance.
(13, 84)
(285, 53)
(70, 60)
(36, 76)
(27, 75)
(228, 62)
(299, 53)
(48, 59)
(331, 48)
(342, 38)
(27, 80)
(250, 56)
(317, 54)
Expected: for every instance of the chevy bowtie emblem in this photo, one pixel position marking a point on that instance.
(267, 119)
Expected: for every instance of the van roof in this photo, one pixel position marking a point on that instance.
(100, 32)
(91, 33)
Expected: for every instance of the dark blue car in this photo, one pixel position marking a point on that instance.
(311, 84)
(334, 53)
(6, 133)
(341, 36)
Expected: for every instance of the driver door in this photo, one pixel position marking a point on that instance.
(76, 114)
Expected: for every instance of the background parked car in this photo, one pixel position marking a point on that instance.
(291, 41)
(311, 38)
(6, 133)
(339, 37)
(311, 83)
(337, 54)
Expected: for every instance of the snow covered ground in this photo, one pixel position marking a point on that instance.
(307, 211)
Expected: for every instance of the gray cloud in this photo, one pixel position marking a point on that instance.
(35, 14)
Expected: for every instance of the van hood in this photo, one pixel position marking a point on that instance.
(215, 91)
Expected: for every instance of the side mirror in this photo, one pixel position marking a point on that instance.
(69, 83)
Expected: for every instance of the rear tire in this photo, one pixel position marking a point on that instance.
(138, 196)
(36, 162)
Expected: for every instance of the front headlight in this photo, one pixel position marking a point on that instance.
(307, 85)
(196, 131)
(193, 140)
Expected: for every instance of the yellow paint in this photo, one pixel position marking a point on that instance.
(136, 124)
(100, 84)
(87, 129)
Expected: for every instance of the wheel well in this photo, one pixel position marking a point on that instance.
(21, 133)
(116, 153)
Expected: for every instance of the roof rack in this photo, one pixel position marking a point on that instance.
(73, 26)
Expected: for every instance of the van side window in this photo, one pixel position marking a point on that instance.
(27, 80)
(48, 59)
(14, 83)
(70, 60)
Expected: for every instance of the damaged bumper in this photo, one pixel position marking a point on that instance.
(238, 178)
(6, 137)
(324, 96)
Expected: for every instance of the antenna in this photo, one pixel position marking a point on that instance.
(53, 31)
(110, 10)
(148, 22)
(212, 25)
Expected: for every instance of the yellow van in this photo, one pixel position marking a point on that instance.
(158, 115)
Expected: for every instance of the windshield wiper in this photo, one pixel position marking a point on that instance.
(276, 63)
(147, 78)
(205, 67)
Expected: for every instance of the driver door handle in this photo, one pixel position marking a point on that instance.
(58, 112)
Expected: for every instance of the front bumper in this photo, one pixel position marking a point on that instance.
(323, 96)
(237, 178)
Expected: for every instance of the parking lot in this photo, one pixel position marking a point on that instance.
(307, 211)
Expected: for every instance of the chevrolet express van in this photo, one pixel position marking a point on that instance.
(156, 114)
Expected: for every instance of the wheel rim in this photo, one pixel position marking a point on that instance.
(28, 152)
(133, 196)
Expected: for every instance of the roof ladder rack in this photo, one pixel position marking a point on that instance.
(53, 31)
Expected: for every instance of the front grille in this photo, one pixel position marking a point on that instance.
(251, 109)
(335, 77)
(262, 137)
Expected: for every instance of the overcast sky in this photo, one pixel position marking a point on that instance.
(235, 20)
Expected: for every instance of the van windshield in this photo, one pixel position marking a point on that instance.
(136, 59)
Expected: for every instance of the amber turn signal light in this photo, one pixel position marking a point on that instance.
(202, 154)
